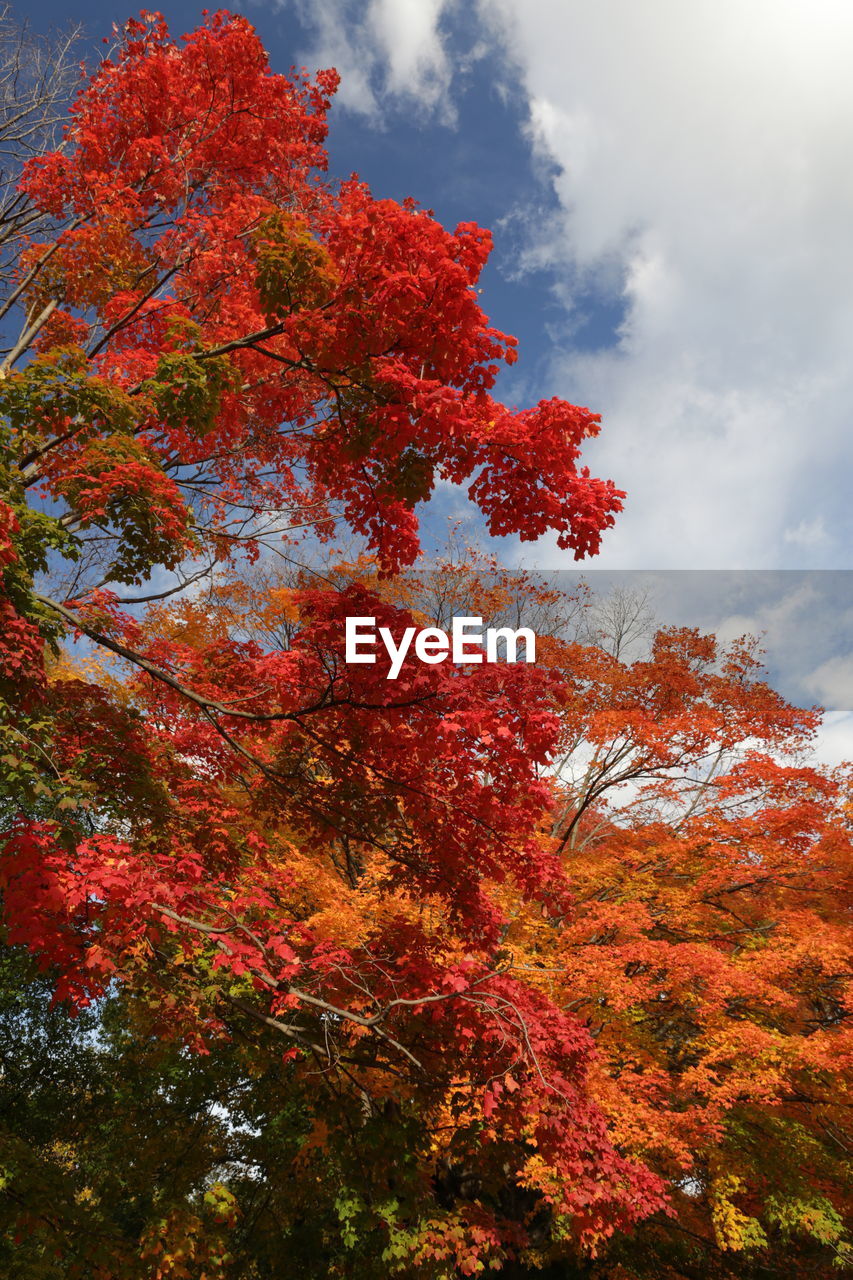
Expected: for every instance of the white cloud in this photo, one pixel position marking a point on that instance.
(808, 533)
(832, 682)
(705, 147)
(408, 32)
(834, 744)
(784, 617)
(393, 49)
(336, 46)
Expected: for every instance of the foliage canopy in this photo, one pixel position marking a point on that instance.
(495, 968)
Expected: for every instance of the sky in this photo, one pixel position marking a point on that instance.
(671, 195)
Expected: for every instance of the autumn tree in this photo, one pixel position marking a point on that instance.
(216, 347)
(705, 940)
(708, 950)
(694, 925)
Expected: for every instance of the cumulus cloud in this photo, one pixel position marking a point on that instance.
(832, 682)
(835, 739)
(808, 533)
(388, 50)
(704, 148)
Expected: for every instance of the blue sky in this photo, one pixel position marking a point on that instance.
(671, 195)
